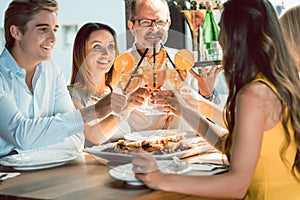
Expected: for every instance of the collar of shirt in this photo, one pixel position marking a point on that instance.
(9, 65)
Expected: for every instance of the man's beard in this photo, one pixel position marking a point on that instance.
(151, 39)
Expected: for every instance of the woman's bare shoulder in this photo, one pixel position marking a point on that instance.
(257, 90)
(259, 98)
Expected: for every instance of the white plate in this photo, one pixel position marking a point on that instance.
(153, 134)
(122, 158)
(37, 167)
(33, 160)
(125, 173)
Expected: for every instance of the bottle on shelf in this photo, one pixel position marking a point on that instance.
(218, 5)
(194, 5)
(210, 28)
(202, 5)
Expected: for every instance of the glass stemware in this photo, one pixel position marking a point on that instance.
(153, 80)
(129, 83)
(176, 78)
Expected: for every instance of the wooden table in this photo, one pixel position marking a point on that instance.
(83, 178)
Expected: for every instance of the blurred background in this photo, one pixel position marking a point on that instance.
(73, 14)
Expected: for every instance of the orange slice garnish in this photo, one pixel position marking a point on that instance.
(184, 59)
(183, 73)
(124, 63)
(160, 58)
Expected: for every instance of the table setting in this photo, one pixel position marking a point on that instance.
(41, 159)
(87, 174)
(193, 161)
(175, 166)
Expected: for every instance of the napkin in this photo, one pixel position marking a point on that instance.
(6, 175)
(213, 158)
(214, 161)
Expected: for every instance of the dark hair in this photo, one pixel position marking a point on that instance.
(253, 42)
(79, 54)
(20, 12)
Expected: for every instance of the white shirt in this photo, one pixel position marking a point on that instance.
(45, 118)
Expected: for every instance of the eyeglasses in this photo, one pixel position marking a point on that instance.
(159, 23)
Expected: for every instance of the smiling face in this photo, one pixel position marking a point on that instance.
(146, 36)
(36, 44)
(101, 51)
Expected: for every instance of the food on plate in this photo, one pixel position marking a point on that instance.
(162, 146)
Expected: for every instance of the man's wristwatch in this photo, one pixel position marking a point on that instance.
(209, 97)
(213, 97)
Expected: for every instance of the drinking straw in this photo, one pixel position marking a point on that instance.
(154, 55)
(168, 56)
(140, 62)
(136, 68)
(154, 60)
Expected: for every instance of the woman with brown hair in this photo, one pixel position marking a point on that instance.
(94, 77)
(290, 22)
(94, 52)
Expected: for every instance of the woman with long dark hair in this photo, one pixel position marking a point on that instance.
(261, 114)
